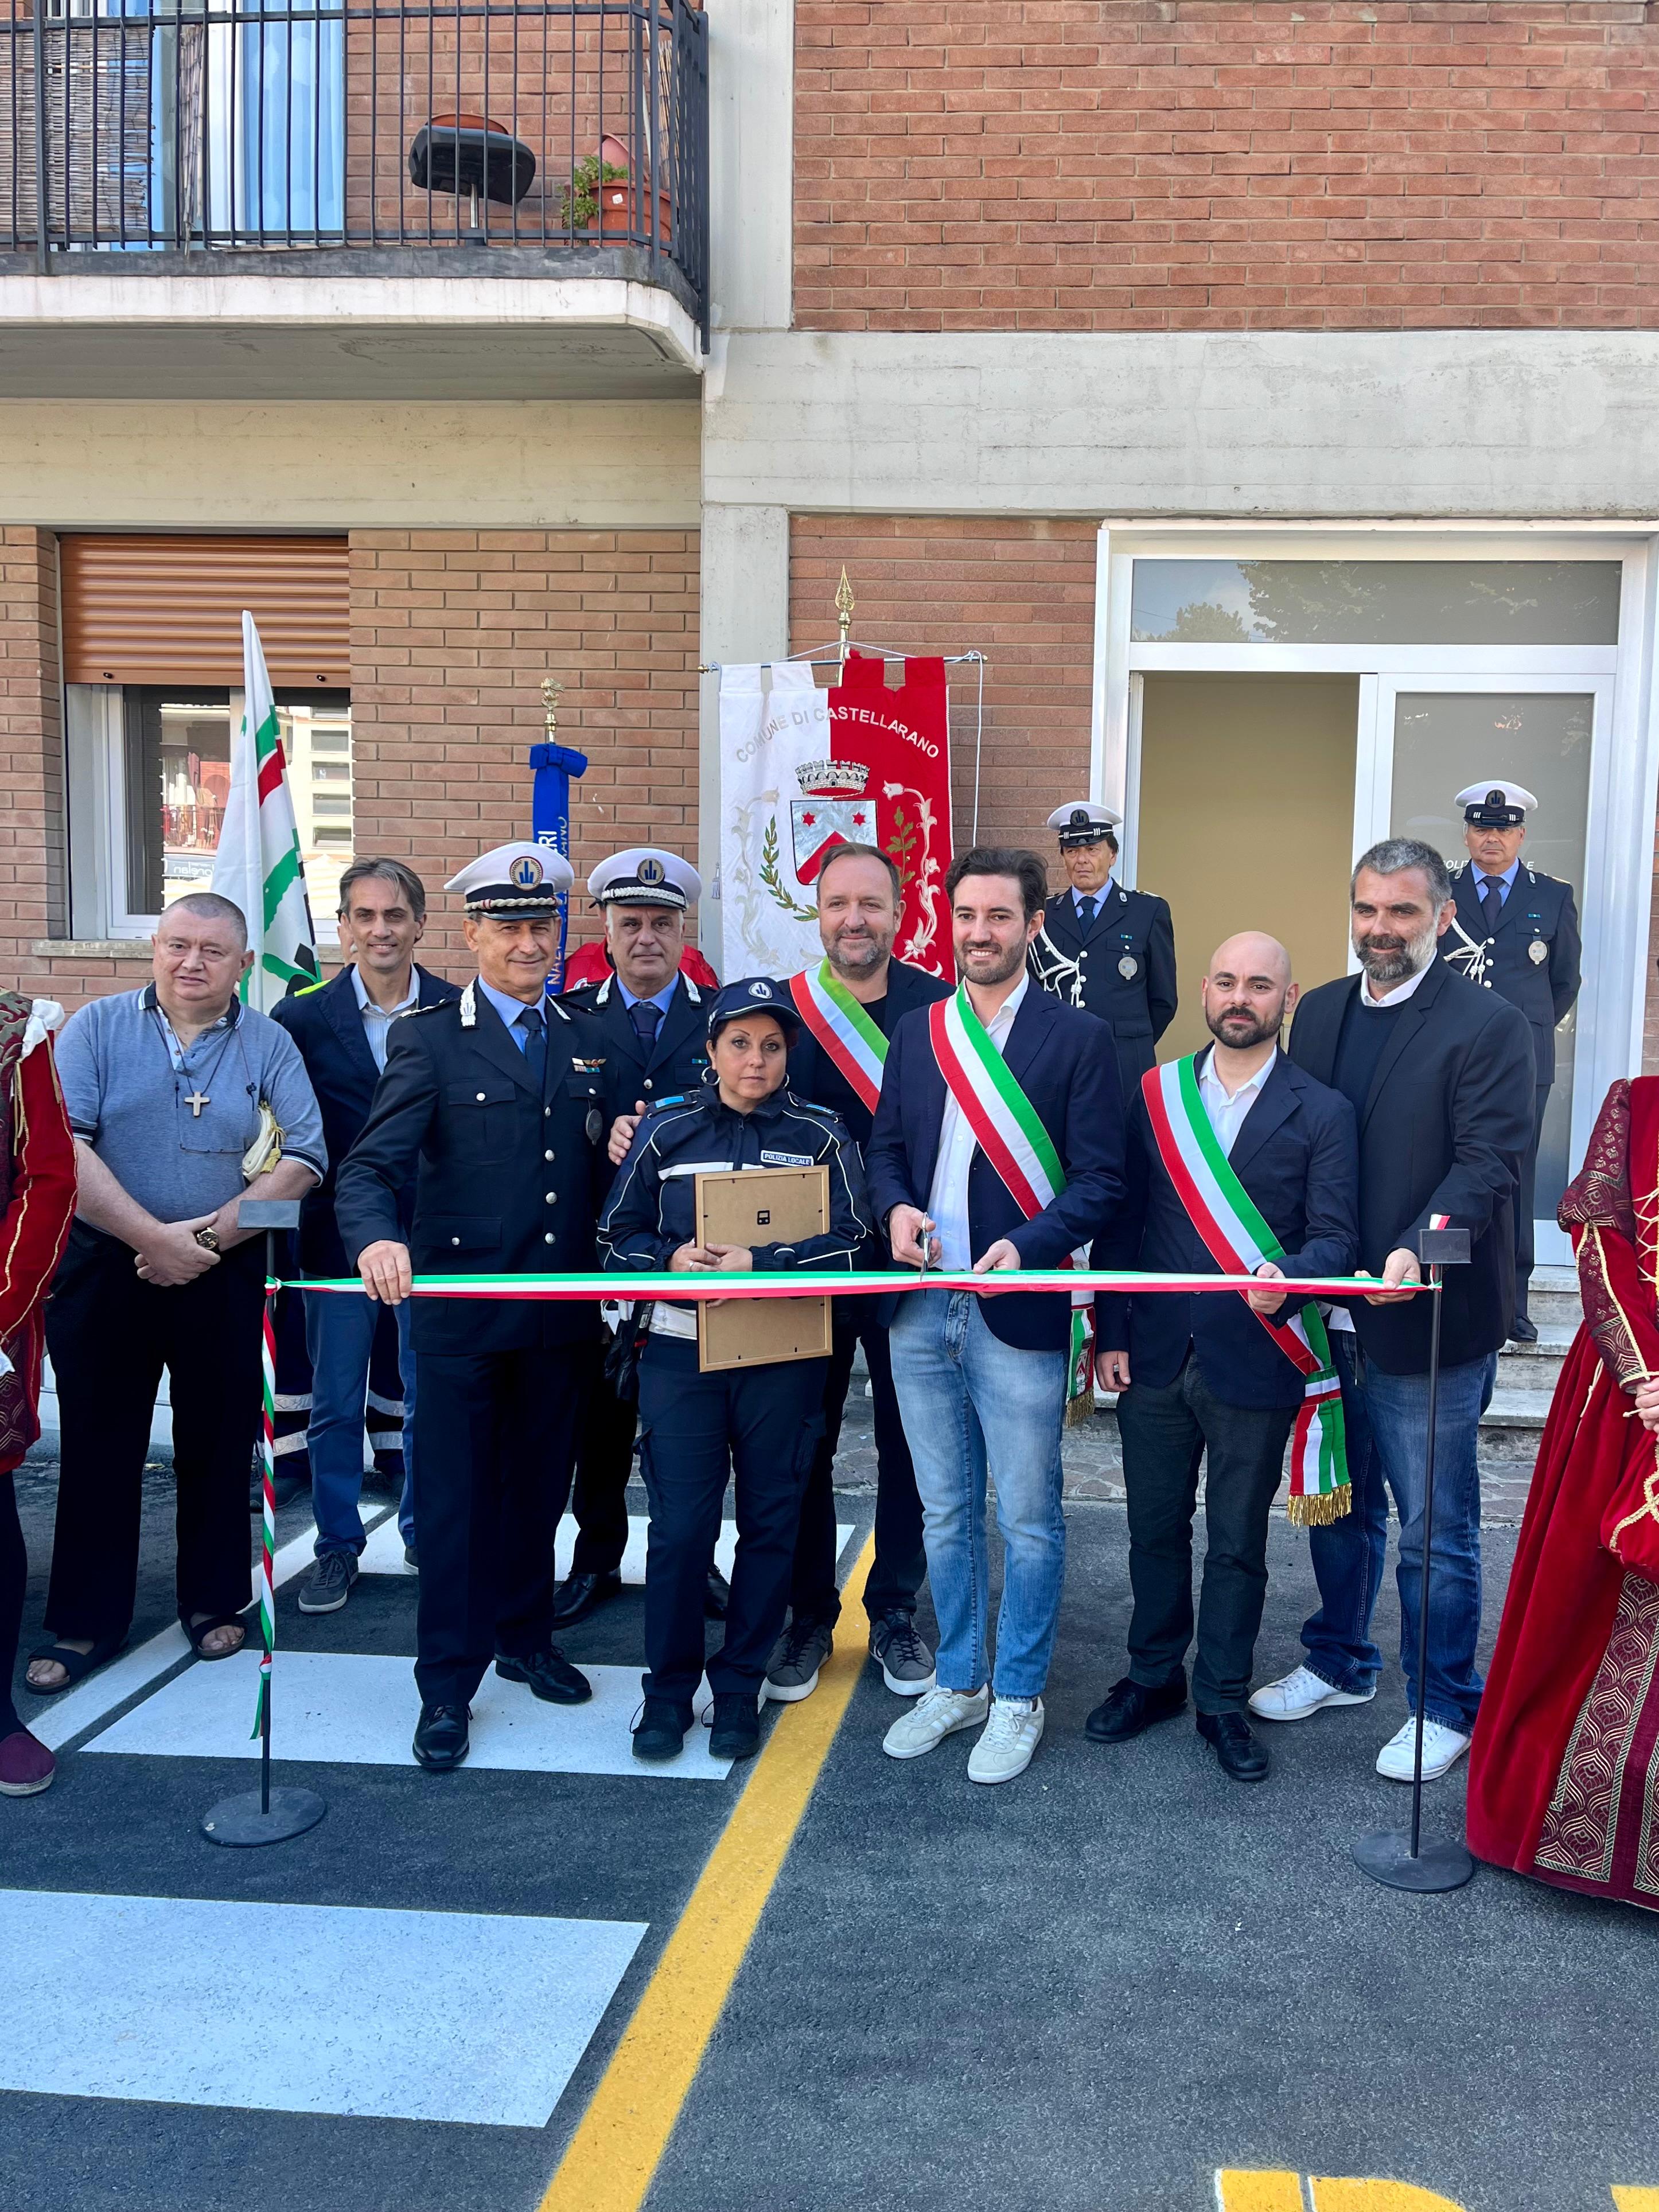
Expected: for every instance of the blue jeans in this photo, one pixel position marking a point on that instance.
(340, 1336)
(968, 1399)
(1386, 1417)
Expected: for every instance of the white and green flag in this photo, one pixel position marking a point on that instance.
(258, 863)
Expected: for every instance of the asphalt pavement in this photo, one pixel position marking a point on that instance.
(1091, 1990)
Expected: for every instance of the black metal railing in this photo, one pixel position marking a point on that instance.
(133, 127)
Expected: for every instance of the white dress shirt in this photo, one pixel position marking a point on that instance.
(1396, 995)
(947, 1199)
(378, 1020)
(1226, 1108)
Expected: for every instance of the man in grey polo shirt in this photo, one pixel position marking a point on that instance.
(164, 1088)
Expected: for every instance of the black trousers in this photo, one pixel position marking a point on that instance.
(901, 1559)
(1166, 1431)
(110, 1336)
(14, 1579)
(604, 1460)
(762, 1423)
(493, 1433)
(1526, 1203)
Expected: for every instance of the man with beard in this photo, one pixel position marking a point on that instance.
(998, 1145)
(1239, 1161)
(1440, 1073)
(848, 1006)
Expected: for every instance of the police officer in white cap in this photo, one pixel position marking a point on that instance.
(493, 1099)
(652, 1022)
(1109, 951)
(1516, 931)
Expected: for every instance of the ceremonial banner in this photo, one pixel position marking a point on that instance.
(803, 771)
(554, 766)
(257, 865)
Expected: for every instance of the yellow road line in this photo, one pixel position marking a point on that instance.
(624, 2131)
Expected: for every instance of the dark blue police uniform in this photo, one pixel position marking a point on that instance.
(761, 1423)
(1120, 966)
(631, 1068)
(506, 1158)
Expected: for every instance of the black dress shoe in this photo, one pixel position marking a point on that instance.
(1239, 1752)
(440, 1737)
(716, 1595)
(662, 1732)
(1522, 1330)
(1128, 1707)
(551, 1675)
(734, 1732)
(578, 1596)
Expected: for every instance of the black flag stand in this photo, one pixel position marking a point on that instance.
(265, 1815)
(1395, 1856)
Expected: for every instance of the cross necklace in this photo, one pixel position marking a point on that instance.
(198, 1097)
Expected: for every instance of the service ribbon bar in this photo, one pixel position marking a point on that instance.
(806, 1283)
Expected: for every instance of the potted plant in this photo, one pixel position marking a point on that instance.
(601, 192)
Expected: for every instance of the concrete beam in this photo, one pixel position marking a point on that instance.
(1533, 423)
(751, 152)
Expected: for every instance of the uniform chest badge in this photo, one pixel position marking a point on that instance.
(1538, 952)
(1128, 967)
(586, 1066)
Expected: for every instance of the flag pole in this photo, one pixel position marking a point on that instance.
(266, 1815)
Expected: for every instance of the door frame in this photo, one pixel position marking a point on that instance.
(1619, 872)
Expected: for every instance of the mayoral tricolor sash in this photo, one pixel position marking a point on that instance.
(1238, 1240)
(1008, 1131)
(841, 1028)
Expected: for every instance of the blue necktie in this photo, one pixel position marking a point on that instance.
(535, 1044)
(1087, 911)
(646, 1019)
(1492, 899)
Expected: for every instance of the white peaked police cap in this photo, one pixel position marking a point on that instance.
(1495, 805)
(1083, 822)
(520, 878)
(645, 875)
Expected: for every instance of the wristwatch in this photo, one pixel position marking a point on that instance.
(208, 1239)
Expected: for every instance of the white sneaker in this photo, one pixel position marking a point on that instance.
(1300, 1693)
(933, 1717)
(1010, 1735)
(1442, 1747)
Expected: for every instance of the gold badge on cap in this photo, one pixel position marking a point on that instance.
(1538, 952)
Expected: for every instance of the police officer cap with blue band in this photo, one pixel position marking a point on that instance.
(1085, 822)
(755, 994)
(513, 880)
(645, 875)
(1496, 805)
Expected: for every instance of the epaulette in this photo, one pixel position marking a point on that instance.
(811, 1106)
(431, 1006)
(662, 1105)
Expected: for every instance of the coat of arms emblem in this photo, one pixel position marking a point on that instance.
(832, 810)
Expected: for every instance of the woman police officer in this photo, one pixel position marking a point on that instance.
(762, 1421)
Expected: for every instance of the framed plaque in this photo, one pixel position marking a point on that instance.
(762, 1205)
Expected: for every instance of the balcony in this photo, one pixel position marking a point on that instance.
(489, 198)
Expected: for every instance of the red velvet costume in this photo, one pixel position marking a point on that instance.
(1563, 1773)
(37, 1205)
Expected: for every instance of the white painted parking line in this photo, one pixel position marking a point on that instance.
(463, 2016)
(384, 1554)
(134, 1671)
(361, 1711)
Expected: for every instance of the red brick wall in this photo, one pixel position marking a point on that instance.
(1225, 164)
(1023, 594)
(452, 633)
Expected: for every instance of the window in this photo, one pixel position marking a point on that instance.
(149, 779)
(1212, 602)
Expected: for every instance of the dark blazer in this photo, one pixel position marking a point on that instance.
(677, 1058)
(813, 1074)
(1448, 1114)
(325, 1021)
(508, 1176)
(1538, 910)
(1298, 1156)
(1085, 969)
(1064, 1062)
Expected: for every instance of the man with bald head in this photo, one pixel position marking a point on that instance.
(1223, 1145)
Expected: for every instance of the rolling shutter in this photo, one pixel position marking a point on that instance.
(169, 610)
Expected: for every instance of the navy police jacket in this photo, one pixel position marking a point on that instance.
(1122, 968)
(507, 1174)
(629, 1075)
(1298, 1156)
(1065, 1063)
(651, 1209)
(1531, 958)
(325, 1021)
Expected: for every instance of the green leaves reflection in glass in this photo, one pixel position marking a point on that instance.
(1374, 603)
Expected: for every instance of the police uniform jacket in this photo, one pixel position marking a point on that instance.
(673, 1067)
(1539, 911)
(1131, 931)
(651, 1209)
(508, 1176)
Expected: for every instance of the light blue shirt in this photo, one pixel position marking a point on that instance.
(509, 1009)
(1507, 879)
(1097, 898)
(661, 999)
